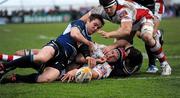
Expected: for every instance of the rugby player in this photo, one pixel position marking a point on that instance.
(120, 62)
(60, 52)
(134, 19)
(157, 7)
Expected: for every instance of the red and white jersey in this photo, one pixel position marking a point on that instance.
(159, 9)
(128, 11)
(156, 6)
(103, 70)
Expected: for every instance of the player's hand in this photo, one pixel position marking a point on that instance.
(107, 49)
(101, 60)
(104, 34)
(91, 47)
(69, 76)
(91, 62)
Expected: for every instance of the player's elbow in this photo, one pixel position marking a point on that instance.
(126, 31)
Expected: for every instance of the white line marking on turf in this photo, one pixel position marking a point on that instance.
(170, 57)
(45, 37)
(150, 78)
(7, 30)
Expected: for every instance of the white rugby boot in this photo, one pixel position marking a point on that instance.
(166, 69)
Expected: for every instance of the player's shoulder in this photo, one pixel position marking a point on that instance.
(78, 23)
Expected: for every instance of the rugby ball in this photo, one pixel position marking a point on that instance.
(83, 75)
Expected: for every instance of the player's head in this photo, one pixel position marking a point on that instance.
(134, 57)
(130, 57)
(109, 6)
(113, 55)
(94, 23)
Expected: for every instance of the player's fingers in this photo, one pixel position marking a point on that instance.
(69, 80)
(100, 31)
(73, 78)
(64, 77)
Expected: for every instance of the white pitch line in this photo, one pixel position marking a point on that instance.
(169, 57)
(150, 78)
(45, 37)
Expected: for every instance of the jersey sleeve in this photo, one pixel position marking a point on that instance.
(81, 26)
(125, 15)
(159, 9)
(97, 10)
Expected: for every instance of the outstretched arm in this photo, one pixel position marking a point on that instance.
(124, 30)
(75, 34)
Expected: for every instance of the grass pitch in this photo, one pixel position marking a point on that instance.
(142, 85)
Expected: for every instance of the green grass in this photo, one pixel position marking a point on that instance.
(19, 36)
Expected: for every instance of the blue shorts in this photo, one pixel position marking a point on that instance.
(59, 61)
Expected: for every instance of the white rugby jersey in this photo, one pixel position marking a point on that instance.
(156, 6)
(127, 11)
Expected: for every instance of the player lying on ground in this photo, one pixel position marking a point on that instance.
(120, 62)
(60, 52)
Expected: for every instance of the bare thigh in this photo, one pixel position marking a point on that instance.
(45, 54)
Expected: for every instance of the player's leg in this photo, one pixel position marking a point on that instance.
(25, 52)
(17, 78)
(152, 68)
(45, 54)
(8, 58)
(26, 61)
(18, 54)
(50, 74)
(155, 47)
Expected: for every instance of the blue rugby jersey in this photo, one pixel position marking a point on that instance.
(69, 44)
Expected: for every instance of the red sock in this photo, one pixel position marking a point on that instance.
(5, 57)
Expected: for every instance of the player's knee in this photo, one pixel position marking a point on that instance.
(147, 32)
(147, 38)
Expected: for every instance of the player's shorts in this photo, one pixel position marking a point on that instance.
(60, 59)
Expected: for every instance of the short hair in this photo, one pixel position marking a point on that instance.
(134, 57)
(107, 3)
(96, 16)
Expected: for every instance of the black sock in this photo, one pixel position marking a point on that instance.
(32, 78)
(16, 78)
(23, 62)
(151, 57)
